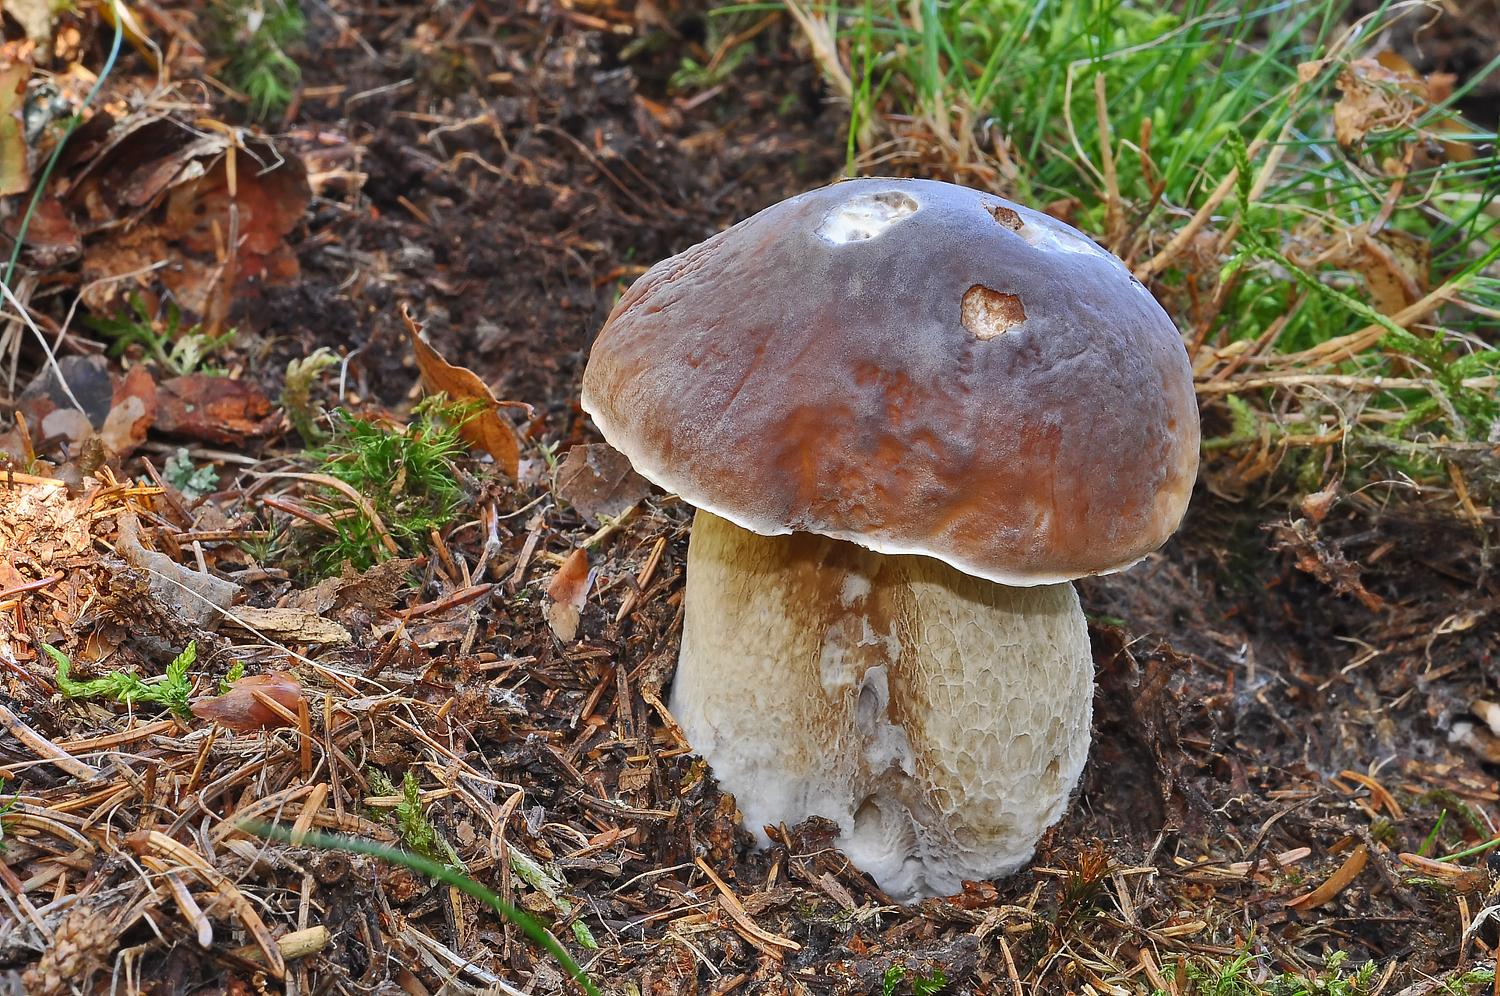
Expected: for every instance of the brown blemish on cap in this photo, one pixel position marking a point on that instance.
(986, 313)
(1007, 217)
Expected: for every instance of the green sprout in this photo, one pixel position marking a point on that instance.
(416, 829)
(255, 34)
(179, 353)
(296, 396)
(121, 686)
(921, 985)
(235, 674)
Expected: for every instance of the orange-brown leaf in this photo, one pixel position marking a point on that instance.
(568, 592)
(15, 69)
(486, 430)
(238, 709)
(570, 585)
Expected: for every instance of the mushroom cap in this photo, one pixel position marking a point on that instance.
(914, 367)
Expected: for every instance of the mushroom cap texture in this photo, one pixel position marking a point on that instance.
(914, 367)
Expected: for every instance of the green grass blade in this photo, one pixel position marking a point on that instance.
(417, 863)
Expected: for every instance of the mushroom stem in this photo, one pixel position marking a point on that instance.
(940, 719)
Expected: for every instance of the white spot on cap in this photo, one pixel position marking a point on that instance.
(865, 216)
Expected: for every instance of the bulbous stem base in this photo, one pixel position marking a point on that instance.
(941, 720)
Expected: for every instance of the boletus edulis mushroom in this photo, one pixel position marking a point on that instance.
(908, 413)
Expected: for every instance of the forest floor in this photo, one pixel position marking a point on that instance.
(1289, 723)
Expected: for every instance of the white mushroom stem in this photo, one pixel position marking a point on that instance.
(941, 720)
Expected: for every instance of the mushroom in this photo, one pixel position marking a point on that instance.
(908, 414)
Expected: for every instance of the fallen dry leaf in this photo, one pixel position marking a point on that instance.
(217, 410)
(239, 709)
(568, 593)
(116, 410)
(145, 163)
(15, 69)
(51, 238)
(486, 430)
(374, 589)
(1375, 97)
(597, 479)
(1386, 93)
(270, 202)
(132, 412)
(198, 597)
(1316, 505)
(132, 251)
(1396, 265)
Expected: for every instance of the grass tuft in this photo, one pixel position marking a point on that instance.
(407, 473)
(253, 35)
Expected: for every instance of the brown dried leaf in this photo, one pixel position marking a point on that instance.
(1308, 71)
(15, 69)
(142, 166)
(238, 709)
(1376, 97)
(486, 430)
(1316, 505)
(145, 183)
(597, 479)
(269, 203)
(116, 410)
(569, 591)
(216, 410)
(51, 238)
(1396, 265)
(133, 412)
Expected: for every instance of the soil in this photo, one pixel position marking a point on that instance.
(562, 184)
(1271, 680)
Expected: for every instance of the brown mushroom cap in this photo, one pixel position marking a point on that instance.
(915, 367)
